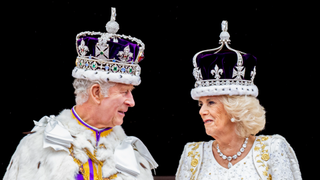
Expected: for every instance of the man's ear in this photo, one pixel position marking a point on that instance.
(95, 93)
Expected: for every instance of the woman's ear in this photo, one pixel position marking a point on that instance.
(95, 93)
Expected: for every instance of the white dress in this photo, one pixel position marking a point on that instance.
(269, 158)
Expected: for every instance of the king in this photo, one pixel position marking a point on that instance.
(87, 142)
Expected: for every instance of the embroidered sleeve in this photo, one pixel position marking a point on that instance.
(182, 172)
(190, 161)
(283, 164)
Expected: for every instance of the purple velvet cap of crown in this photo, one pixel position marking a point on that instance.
(114, 47)
(225, 60)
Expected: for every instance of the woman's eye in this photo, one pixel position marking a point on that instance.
(211, 102)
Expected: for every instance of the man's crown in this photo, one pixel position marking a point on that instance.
(108, 56)
(224, 71)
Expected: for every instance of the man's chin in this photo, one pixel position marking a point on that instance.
(117, 122)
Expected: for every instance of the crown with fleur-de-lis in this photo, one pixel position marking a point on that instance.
(224, 71)
(108, 56)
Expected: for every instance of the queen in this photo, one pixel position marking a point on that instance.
(232, 115)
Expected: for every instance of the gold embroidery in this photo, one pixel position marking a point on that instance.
(194, 171)
(194, 162)
(265, 173)
(78, 162)
(194, 158)
(111, 177)
(265, 157)
(196, 147)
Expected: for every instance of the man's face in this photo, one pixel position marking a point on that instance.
(113, 108)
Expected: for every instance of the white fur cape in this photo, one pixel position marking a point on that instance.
(33, 162)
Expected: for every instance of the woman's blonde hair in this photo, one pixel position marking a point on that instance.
(247, 112)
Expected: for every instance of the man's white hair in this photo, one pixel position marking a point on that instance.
(82, 87)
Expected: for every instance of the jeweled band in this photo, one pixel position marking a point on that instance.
(109, 66)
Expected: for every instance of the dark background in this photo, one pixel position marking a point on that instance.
(40, 55)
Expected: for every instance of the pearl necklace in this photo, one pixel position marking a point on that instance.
(229, 158)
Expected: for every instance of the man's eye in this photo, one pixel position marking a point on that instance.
(125, 92)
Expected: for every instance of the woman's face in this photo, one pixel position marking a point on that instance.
(215, 118)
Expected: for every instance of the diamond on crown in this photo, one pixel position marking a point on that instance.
(222, 82)
(253, 73)
(115, 67)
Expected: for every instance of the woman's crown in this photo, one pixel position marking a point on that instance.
(224, 71)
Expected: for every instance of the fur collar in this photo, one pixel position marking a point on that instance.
(85, 139)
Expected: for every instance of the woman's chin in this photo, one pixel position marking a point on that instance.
(209, 132)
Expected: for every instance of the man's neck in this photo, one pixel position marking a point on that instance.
(87, 115)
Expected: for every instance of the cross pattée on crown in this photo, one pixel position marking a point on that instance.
(238, 73)
(240, 69)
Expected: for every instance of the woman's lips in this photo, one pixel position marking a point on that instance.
(208, 121)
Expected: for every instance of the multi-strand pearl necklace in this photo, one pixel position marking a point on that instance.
(229, 158)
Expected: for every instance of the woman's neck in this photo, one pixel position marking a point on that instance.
(229, 144)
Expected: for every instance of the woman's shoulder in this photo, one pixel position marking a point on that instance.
(275, 142)
(271, 138)
(195, 145)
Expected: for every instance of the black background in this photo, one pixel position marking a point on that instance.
(40, 55)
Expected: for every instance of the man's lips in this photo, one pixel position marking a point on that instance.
(122, 112)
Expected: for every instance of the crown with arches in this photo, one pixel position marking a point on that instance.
(224, 71)
(108, 56)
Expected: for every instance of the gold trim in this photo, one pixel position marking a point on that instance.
(194, 162)
(264, 155)
(195, 156)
